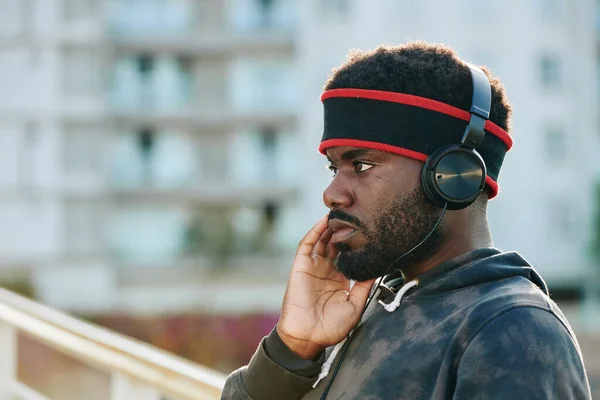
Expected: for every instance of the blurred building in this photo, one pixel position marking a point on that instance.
(160, 155)
(149, 147)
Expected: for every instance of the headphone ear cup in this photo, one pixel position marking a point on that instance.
(453, 175)
(428, 178)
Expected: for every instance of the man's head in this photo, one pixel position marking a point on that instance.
(376, 148)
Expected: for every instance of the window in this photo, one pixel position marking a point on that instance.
(252, 15)
(254, 226)
(270, 214)
(209, 86)
(22, 64)
(550, 71)
(34, 57)
(336, 8)
(11, 17)
(268, 149)
(264, 156)
(263, 84)
(10, 143)
(265, 11)
(83, 151)
(27, 17)
(17, 17)
(151, 158)
(27, 159)
(145, 64)
(82, 73)
(174, 162)
(145, 69)
(171, 82)
(147, 234)
(150, 82)
(561, 215)
(77, 10)
(150, 17)
(288, 226)
(597, 15)
(82, 228)
(549, 11)
(598, 72)
(556, 144)
(82, 148)
(478, 12)
(213, 149)
(146, 140)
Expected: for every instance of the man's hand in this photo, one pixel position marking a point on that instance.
(319, 309)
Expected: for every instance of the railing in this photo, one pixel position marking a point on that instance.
(137, 370)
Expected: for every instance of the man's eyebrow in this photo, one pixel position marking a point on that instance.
(356, 153)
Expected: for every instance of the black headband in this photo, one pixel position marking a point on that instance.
(404, 124)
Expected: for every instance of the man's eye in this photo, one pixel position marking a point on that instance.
(332, 169)
(362, 167)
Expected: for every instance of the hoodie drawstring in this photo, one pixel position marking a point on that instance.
(327, 365)
(396, 303)
(389, 307)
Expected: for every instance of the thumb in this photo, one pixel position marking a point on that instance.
(359, 294)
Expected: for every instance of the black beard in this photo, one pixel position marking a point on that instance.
(396, 231)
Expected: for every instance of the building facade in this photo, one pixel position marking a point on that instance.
(154, 149)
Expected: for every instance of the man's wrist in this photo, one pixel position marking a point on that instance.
(279, 353)
(302, 348)
(276, 373)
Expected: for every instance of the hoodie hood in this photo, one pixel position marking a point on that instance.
(475, 267)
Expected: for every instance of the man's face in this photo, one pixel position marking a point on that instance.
(378, 212)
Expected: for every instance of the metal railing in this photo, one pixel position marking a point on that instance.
(138, 371)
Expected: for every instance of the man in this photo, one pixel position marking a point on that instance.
(415, 161)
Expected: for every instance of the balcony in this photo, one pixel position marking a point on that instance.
(169, 234)
(200, 94)
(262, 16)
(207, 27)
(215, 44)
(224, 194)
(150, 18)
(244, 167)
(201, 120)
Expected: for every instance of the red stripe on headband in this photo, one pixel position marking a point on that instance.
(415, 155)
(493, 185)
(417, 101)
(371, 145)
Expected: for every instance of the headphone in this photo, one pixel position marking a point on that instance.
(454, 175)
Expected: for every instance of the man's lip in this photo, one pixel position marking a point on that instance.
(342, 235)
(337, 225)
(342, 230)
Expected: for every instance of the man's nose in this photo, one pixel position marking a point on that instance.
(337, 195)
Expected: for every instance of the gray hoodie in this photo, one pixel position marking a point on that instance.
(480, 326)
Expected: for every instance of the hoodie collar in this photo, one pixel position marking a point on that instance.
(474, 267)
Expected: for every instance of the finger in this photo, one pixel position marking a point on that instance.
(332, 252)
(321, 246)
(359, 294)
(312, 237)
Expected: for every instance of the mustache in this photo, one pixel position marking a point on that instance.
(342, 216)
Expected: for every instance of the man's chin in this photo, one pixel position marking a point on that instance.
(354, 265)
